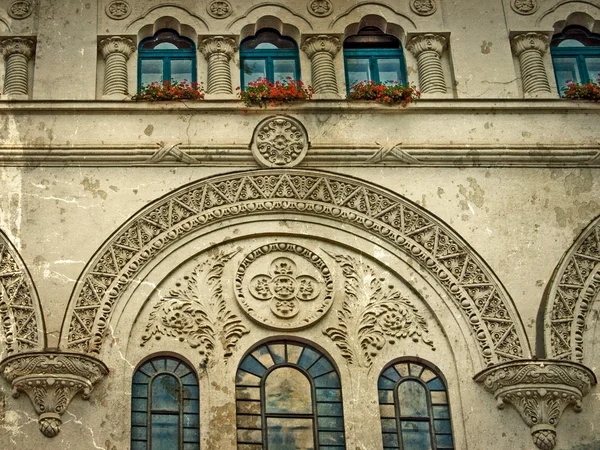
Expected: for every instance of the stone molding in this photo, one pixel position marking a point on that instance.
(279, 141)
(116, 51)
(573, 288)
(51, 381)
(539, 390)
(469, 283)
(530, 48)
(321, 50)
(428, 48)
(21, 320)
(218, 50)
(17, 52)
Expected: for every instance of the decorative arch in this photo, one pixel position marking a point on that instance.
(572, 290)
(555, 15)
(373, 20)
(468, 281)
(166, 10)
(167, 23)
(252, 12)
(285, 29)
(22, 320)
(358, 10)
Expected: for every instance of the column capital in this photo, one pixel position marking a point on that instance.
(18, 46)
(321, 43)
(117, 44)
(426, 42)
(218, 44)
(529, 41)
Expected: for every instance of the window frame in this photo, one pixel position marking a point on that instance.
(374, 54)
(167, 56)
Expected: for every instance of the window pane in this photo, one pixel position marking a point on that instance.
(565, 70)
(181, 69)
(165, 393)
(358, 70)
(165, 431)
(412, 399)
(254, 69)
(593, 67)
(152, 71)
(415, 435)
(389, 70)
(287, 390)
(283, 69)
(292, 433)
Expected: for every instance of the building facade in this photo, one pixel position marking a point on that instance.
(332, 273)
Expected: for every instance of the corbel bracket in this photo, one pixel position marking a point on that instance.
(51, 380)
(539, 390)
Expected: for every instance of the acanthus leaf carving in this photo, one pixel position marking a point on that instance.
(373, 314)
(196, 312)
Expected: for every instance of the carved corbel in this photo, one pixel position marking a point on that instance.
(51, 381)
(540, 391)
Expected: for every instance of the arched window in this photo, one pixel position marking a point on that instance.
(269, 55)
(164, 406)
(288, 395)
(166, 56)
(576, 56)
(413, 403)
(373, 55)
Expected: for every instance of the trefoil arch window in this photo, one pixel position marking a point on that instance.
(373, 55)
(288, 395)
(414, 408)
(575, 56)
(269, 55)
(166, 56)
(165, 406)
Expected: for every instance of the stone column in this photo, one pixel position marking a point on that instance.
(17, 53)
(428, 49)
(116, 51)
(218, 51)
(530, 48)
(321, 50)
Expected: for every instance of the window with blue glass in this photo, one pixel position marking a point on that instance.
(166, 56)
(373, 55)
(269, 55)
(165, 406)
(413, 403)
(575, 56)
(288, 395)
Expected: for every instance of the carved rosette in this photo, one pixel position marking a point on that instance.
(284, 286)
(524, 7)
(540, 391)
(116, 51)
(530, 48)
(423, 7)
(51, 381)
(218, 51)
(279, 141)
(118, 9)
(20, 9)
(219, 9)
(321, 50)
(428, 49)
(320, 8)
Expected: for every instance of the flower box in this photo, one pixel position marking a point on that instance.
(389, 94)
(170, 90)
(264, 93)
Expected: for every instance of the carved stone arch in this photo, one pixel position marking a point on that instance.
(155, 16)
(570, 295)
(283, 13)
(569, 12)
(359, 10)
(470, 284)
(167, 22)
(21, 318)
(578, 18)
(285, 29)
(376, 21)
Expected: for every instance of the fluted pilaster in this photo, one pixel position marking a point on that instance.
(116, 51)
(530, 49)
(17, 52)
(218, 51)
(321, 50)
(428, 48)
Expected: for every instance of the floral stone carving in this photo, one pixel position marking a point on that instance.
(540, 391)
(196, 312)
(524, 7)
(373, 314)
(219, 9)
(423, 7)
(51, 380)
(21, 9)
(284, 286)
(320, 8)
(118, 9)
(279, 141)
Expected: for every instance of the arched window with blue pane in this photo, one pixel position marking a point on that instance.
(414, 408)
(373, 55)
(575, 56)
(166, 56)
(165, 406)
(288, 395)
(269, 55)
